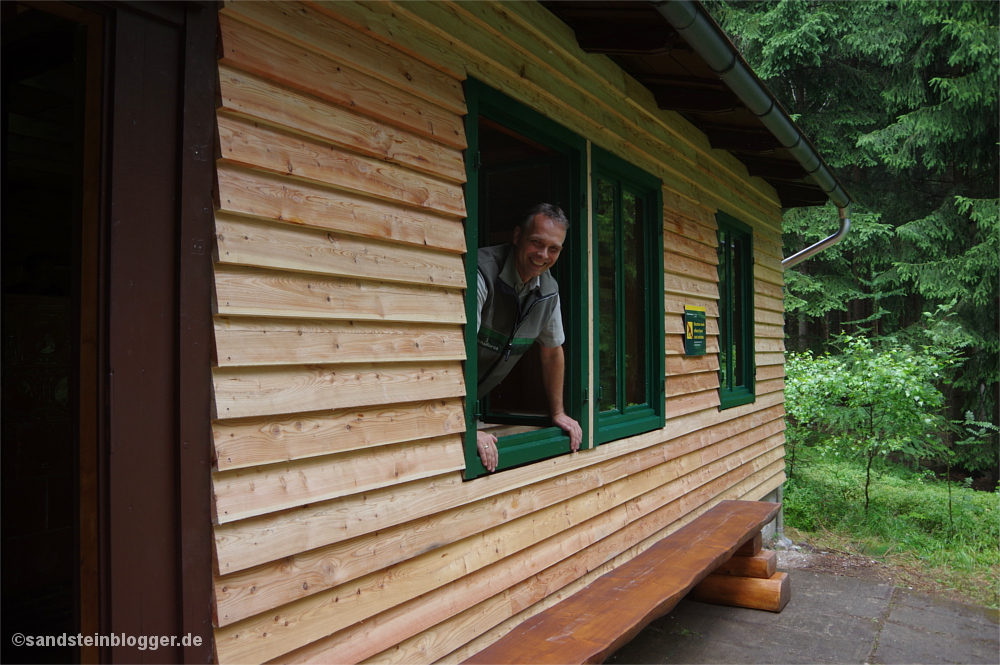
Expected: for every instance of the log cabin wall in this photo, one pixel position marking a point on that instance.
(344, 531)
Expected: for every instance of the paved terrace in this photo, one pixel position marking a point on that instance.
(830, 619)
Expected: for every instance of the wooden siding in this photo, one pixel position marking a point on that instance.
(343, 528)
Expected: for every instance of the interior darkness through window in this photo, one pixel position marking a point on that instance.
(515, 174)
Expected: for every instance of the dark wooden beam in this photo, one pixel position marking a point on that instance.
(613, 38)
(774, 169)
(696, 100)
(681, 81)
(748, 141)
(796, 195)
(612, 14)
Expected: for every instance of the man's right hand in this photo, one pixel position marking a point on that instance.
(488, 453)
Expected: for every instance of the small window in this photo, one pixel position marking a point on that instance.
(628, 298)
(736, 323)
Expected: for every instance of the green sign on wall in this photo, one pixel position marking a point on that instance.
(694, 330)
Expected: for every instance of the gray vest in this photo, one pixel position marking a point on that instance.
(507, 330)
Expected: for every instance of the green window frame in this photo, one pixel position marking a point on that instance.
(628, 298)
(526, 447)
(737, 366)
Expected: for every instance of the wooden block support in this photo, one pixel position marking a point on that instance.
(757, 594)
(763, 566)
(752, 547)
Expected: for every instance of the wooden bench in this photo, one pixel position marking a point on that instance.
(591, 624)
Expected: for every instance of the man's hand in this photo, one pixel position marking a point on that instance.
(488, 453)
(571, 427)
(553, 368)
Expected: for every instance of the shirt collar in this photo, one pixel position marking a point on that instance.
(511, 277)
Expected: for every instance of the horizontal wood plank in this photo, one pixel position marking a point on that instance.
(691, 402)
(252, 242)
(769, 318)
(260, 146)
(679, 365)
(770, 290)
(258, 391)
(682, 226)
(764, 302)
(770, 372)
(253, 441)
(769, 344)
(683, 385)
(314, 29)
(275, 196)
(681, 285)
(251, 49)
(242, 493)
(764, 330)
(675, 243)
(695, 268)
(254, 97)
(243, 340)
(262, 292)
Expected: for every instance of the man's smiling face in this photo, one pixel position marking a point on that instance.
(537, 249)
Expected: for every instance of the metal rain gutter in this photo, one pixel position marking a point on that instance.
(704, 35)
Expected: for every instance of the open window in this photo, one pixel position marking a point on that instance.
(737, 369)
(516, 159)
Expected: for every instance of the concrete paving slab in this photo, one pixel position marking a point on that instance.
(830, 619)
(918, 625)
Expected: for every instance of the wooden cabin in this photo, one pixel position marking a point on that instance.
(276, 446)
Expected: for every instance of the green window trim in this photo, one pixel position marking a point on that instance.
(628, 298)
(737, 366)
(527, 447)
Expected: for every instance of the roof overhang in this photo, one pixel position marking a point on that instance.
(684, 62)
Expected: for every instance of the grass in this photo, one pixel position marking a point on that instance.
(908, 525)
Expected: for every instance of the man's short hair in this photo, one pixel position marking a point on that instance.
(553, 212)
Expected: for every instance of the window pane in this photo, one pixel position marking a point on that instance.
(724, 317)
(607, 330)
(634, 314)
(736, 312)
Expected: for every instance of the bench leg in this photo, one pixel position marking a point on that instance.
(758, 594)
(763, 565)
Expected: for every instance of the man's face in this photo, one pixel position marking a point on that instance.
(537, 249)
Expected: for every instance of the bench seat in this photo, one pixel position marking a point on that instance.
(594, 622)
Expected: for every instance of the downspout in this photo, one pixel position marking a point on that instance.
(704, 35)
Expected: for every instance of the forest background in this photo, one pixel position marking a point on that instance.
(901, 99)
(893, 335)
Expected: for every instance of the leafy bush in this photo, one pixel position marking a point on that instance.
(869, 402)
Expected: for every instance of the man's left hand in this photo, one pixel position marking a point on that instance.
(571, 427)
